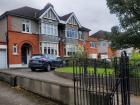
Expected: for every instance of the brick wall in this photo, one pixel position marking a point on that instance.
(20, 39)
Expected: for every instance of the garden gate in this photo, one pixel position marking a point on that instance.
(96, 83)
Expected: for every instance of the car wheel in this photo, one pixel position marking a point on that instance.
(48, 67)
(32, 69)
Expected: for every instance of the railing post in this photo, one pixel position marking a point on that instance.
(124, 75)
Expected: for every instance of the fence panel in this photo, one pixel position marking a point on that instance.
(101, 82)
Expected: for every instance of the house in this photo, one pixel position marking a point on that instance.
(88, 43)
(92, 48)
(26, 31)
(129, 51)
(103, 44)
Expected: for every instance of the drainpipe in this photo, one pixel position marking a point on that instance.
(7, 39)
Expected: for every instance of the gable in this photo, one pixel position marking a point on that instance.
(72, 21)
(50, 14)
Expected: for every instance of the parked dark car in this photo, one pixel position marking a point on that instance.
(45, 62)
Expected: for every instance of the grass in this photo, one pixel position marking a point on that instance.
(90, 70)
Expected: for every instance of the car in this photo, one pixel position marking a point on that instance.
(45, 62)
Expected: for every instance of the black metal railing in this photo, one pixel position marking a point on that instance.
(102, 82)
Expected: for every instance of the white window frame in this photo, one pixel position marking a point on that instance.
(26, 22)
(69, 47)
(68, 29)
(15, 49)
(92, 43)
(49, 29)
(81, 36)
(52, 46)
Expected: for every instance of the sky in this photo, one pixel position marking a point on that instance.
(92, 14)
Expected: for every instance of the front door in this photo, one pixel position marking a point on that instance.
(24, 55)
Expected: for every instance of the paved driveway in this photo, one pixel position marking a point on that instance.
(17, 96)
(40, 75)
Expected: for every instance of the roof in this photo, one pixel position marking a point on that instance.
(101, 35)
(84, 29)
(44, 9)
(32, 13)
(65, 17)
(24, 12)
(27, 12)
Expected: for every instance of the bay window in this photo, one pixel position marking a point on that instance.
(50, 48)
(70, 49)
(72, 33)
(50, 29)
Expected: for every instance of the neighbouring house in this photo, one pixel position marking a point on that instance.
(129, 52)
(92, 48)
(26, 31)
(103, 44)
(88, 43)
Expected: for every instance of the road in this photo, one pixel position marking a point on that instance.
(17, 96)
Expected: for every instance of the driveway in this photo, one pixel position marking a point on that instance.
(40, 75)
(17, 96)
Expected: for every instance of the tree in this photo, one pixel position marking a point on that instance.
(128, 12)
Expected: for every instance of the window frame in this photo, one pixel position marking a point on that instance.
(92, 44)
(51, 48)
(70, 48)
(26, 23)
(15, 52)
(49, 29)
(73, 33)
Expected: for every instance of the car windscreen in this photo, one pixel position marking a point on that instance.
(37, 56)
(51, 57)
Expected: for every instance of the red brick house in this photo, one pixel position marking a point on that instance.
(26, 31)
(103, 44)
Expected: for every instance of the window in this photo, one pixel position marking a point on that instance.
(50, 48)
(102, 44)
(15, 49)
(45, 50)
(50, 29)
(81, 35)
(72, 33)
(26, 26)
(92, 44)
(70, 50)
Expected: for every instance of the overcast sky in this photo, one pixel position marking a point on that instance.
(92, 14)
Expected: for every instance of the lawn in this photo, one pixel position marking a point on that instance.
(90, 70)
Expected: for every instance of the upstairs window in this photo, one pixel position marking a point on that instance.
(81, 35)
(49, 29)
(72, 33)
(26, 26)
(92, 44)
